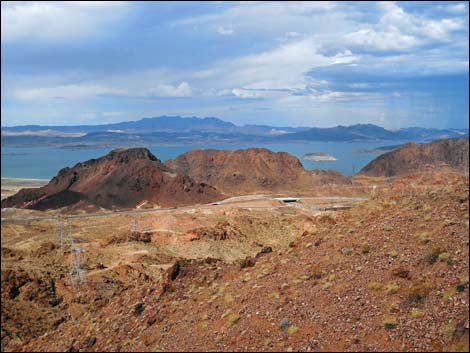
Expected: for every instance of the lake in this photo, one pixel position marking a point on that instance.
(45, 162)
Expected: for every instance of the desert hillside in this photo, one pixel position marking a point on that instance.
(251, 170)
(412, 157)
(390, 274)
(121, 179)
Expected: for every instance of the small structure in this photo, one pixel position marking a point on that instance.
(287, 199)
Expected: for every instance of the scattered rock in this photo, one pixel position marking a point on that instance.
(138, 308)
(284, 324)
(247, 262)
(401, 272)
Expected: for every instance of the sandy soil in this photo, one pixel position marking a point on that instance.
(11, 186)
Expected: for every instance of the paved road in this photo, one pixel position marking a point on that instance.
(225, 202)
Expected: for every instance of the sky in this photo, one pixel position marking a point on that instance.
(394, 64)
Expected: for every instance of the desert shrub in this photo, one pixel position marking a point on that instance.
(423, 237)
(401, 272)
(448, 330)
(432, 255)
(394, 308)
(390, 323)
(460, 347)
(427, 208)
(444, 257)
(374, 285)
(416, 313)
(392, 288)
(416, 295)
(365, 248)
(316, 272)
(233, 319)
(463, 283)
(292, 329)
(446, 295)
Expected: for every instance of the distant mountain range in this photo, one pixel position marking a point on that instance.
(179, 130)
(160, 124)
(370, 132)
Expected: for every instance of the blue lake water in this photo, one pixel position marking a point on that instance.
(45, 162)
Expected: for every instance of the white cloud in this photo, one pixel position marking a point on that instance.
(87, 116)
(337, 96)
(57, 21)
(440, 29)
(401, 31)
(279, 17)
(71, 91)
(380, 40)
(90, 90)
(311, 7)
(360, 85)
(459, 8)
(290, 61)
(111, 114)
(289, 35)
(245, 93)
(225, 30)
(255, 93)
(164, 90)
(281, 68)
(395, 17)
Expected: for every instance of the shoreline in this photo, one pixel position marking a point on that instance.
(11, 186)
(28, 179)
(24, 179)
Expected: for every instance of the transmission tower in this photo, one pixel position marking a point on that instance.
(134, 226)
(61, 236)
(77, 273)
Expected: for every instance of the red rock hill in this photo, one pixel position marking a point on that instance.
(121, 179)
(413, 157)
(251, 170)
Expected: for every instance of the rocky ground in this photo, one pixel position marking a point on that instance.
(388, 274)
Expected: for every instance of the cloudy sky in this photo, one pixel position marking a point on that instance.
(279, 63)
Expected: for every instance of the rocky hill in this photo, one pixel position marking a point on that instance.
(388, 275)
(251, 170)
(121, 179)
(413, 157)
